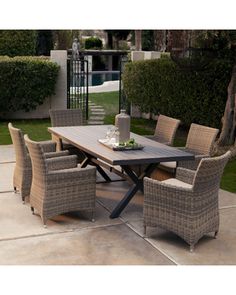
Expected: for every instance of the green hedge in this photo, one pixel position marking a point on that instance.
(25, 82)
(18, 42)
(191, 93)
(93, 42)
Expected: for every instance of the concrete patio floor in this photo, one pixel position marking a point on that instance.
(73, 239)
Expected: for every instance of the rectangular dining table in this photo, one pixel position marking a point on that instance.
(86, 139)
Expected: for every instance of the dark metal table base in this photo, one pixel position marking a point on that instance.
(137, 185)
(93, 161)
(136, 180)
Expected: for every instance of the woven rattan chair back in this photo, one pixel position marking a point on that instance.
(39, 166)
(201, 139)
(23, 170)
(17, 138)
(61, 118)
(209, 172)
(166, 129)
(56, 188)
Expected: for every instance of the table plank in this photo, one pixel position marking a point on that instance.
(86, 139)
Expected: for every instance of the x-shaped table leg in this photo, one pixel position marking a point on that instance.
(88, 160)
(138, 185)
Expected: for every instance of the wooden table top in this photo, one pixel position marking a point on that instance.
(86, 139)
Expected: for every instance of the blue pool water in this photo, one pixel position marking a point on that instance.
(99, 78)
(94, 78)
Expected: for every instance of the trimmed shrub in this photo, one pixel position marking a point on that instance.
(25, 82)
(190, 93)
(18, 42)
(93, 42)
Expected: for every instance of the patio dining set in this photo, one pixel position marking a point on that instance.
(59, 175)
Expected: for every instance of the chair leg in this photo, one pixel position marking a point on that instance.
(23, 200)
(191, 248)
(15, 190)
(32, 210)
(144, 231)
(44, 222)
(215, 234)
(93, 219)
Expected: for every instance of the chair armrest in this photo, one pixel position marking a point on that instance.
(160, 185)
(84, 175)
(157, 193)
(185, 175)
(56, 154)
(64, 162)
(193, 164)
(48, 146)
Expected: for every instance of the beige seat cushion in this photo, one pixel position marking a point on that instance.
(176, 182)
(171, 165)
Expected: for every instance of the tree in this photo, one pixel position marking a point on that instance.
(138, 40)
(219, 44)
(63, 39)
(148, 40)
(44, 42)
(93, 43)
(160, 40)
(114, 36)
(228, 131)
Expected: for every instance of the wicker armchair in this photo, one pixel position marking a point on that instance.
(165, 131)
(59, 185)
(200, 142)
(61, 118)
(22, 177)
(188, 204)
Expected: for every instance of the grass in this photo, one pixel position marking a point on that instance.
(228, 181)
(37, 130)
(109, 101)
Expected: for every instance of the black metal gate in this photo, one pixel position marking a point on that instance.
(77, 84)
(78, 79)
(123, 103)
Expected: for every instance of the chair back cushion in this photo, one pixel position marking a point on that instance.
(37, 156)
(201, 138)
(209, 172)
(61, 118)
(17, 138)
(166, 129)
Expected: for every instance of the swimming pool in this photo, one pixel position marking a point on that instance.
(98, 78)
(94, 78)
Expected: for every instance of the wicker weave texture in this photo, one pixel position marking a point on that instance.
(200, 142)
(165, 132)
(55, 190)
(61, 118)
(166, 128)
(22, 177)
(69, 117)
(201, 138)
(188, 212)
